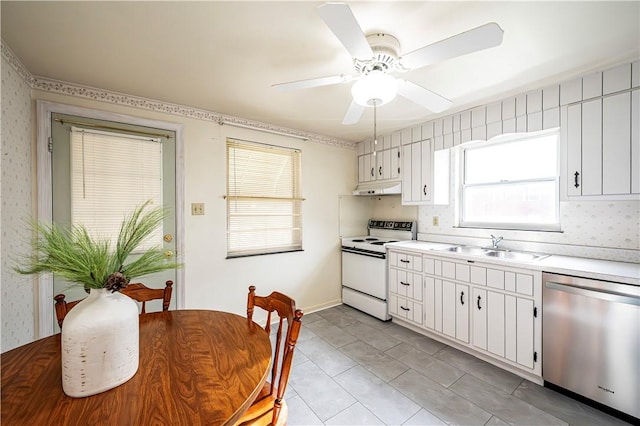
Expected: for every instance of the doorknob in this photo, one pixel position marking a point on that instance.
(168, 254)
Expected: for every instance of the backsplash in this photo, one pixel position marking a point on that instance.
(596, 229)
(16, 197)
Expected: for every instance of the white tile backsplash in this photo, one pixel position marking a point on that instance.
(599, 229)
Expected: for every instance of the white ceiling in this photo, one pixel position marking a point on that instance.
(224, 56)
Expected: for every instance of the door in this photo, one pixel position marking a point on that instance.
(76, 141)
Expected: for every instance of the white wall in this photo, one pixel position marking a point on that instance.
(18, 292)
(312, 276)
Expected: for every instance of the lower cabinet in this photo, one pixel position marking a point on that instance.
(487, 308)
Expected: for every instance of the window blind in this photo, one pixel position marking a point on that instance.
(112, 174)
(263, 199)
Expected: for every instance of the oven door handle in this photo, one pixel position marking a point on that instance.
(364, 253)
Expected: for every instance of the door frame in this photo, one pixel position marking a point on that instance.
(44, 109)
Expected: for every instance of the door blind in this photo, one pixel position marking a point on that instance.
(112, 174)
(263, 199)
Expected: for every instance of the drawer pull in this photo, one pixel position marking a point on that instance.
(404, 309)
(462, 297)
(403, 283)
(404, 261)
(479, 307)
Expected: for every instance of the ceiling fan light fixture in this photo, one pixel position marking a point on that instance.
(375, 88)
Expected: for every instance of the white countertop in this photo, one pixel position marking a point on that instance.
(622, 272)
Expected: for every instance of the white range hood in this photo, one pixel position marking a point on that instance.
(379, 188)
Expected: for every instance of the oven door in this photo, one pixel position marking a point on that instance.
(365, 272)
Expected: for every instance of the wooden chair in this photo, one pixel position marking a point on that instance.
(137, 291)
(269, 408)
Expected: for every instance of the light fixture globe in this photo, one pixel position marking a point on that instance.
(375, 88)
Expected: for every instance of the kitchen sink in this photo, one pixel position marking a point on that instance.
(515, 255)
(499, 254)
(465, 250)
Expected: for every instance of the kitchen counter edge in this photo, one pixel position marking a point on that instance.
(607, 270)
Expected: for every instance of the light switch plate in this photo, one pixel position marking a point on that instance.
(197, 209)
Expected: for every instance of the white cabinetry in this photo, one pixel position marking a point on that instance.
(378, 165)
(603, 143)
(405, 286)
(488, 308)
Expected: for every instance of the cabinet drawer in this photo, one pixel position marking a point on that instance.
(495, 278)
(524, 284)
(462, 272)
(448, 270)
(407, 261)
(405, 284)
(478, 275)
(407, 309)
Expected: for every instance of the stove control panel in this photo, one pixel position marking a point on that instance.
(392, 225)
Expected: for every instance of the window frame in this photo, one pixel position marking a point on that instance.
(295, 244)
(518, 226)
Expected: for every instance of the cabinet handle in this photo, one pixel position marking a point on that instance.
(575, 176)
(372, 173)
(380, 170)
(462, 297)
(403, 283)
(398, 170)
(479, 307)
(424, 190)
(404, 309)
(404, 261)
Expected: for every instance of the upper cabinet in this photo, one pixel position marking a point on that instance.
(602, 133)
(598, 116)
(379, 162)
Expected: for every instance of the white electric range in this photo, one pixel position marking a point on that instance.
(364, 265)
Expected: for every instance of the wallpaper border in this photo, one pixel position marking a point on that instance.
(65, 88)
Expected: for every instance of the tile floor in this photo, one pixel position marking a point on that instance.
(352, 369)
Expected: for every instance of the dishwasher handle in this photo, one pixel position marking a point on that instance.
(597, 294)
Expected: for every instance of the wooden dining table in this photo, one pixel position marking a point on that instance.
(197, 367)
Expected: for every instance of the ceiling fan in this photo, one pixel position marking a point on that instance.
(376, 56)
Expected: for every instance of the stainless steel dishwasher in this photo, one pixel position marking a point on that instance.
(591, 340)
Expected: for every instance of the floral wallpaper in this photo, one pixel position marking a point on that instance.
(18, 292)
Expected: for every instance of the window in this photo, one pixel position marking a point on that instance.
(511, 184)
(263, 199)
(111, 174)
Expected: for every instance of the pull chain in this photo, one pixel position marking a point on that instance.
(375, 128)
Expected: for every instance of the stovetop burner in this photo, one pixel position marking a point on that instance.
(371, 239)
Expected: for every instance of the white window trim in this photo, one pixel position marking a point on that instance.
(460, 179)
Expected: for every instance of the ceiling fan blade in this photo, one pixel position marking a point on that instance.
(339, 18)
(353, 113)
(423, 97)
(480, 38)
(313, 82)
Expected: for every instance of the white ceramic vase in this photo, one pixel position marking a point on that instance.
(100, 343)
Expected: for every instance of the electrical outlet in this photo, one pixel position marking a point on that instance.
(197, 209)
(436, 221)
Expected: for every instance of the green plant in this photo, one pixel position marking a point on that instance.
(72, 254)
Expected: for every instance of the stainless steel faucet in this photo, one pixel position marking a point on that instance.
(495, 241)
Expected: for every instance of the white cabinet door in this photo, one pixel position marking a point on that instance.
(449, 303)
(368, 167)
(407, 174)
(635, 141)
(361, 169)
(437, 305)
(394, 163)
(496, 322)
(416, 171)
(574, 150)
(426, 189)
(616, 144)
(479, 318)
(511, 328)
(592, 147)
(429, 303)
(525, 330)
(462, 312)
